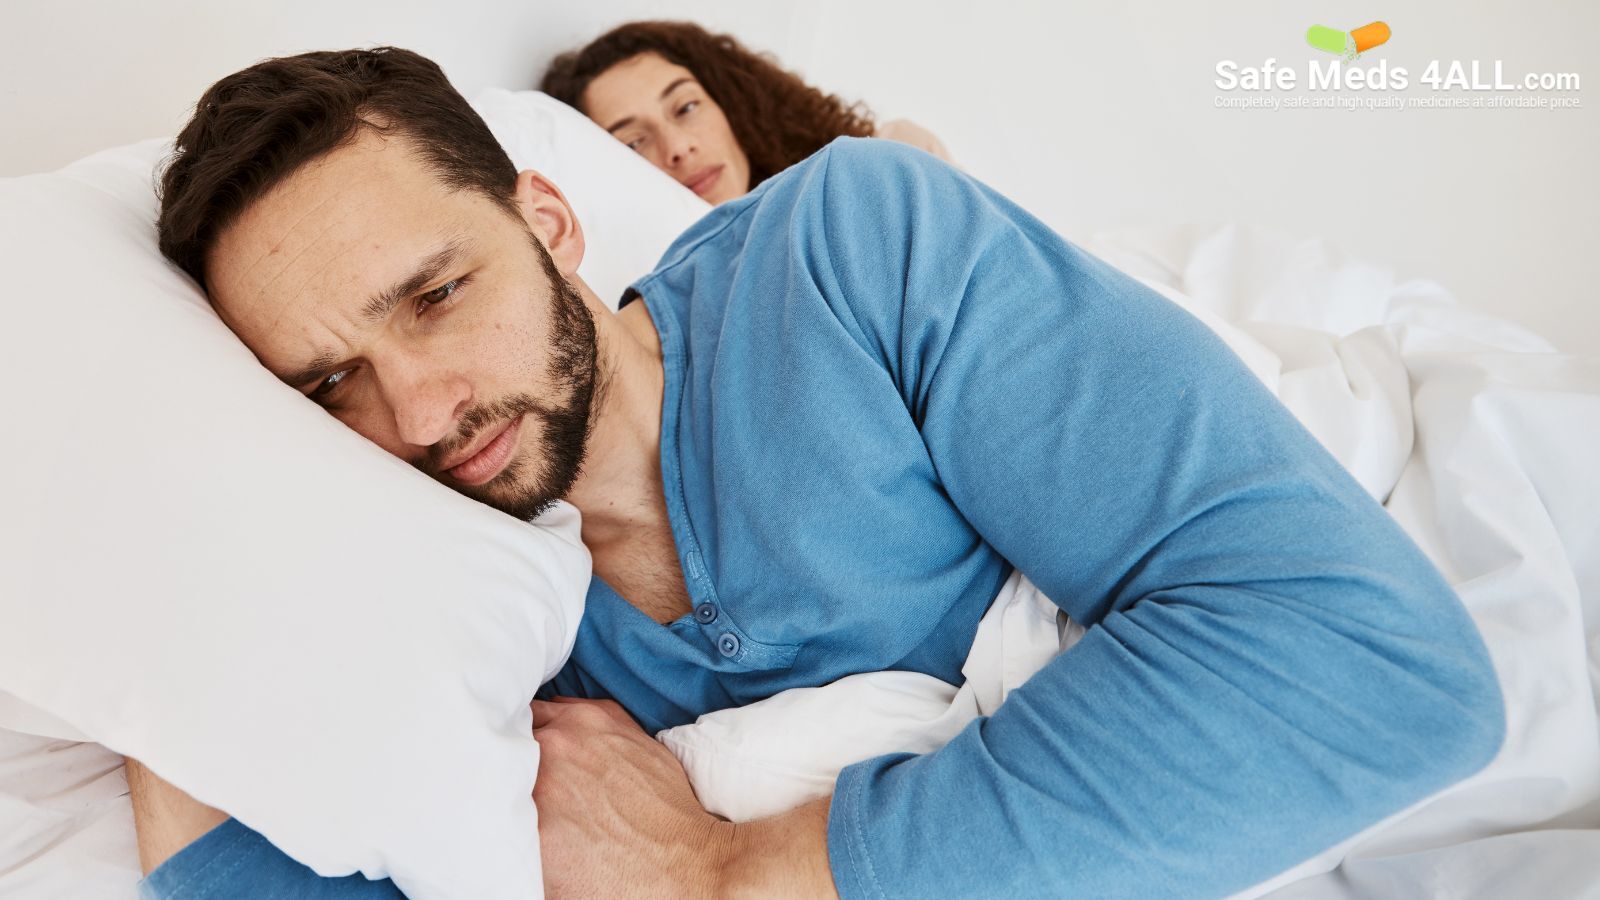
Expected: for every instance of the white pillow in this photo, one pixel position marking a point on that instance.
(202, 570)
(630, 210)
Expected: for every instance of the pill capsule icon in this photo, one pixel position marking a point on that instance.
(1348, 45)
(1328, 40)
(1370, 35)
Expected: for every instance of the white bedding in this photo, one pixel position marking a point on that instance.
(1473, 432)
(66, 829)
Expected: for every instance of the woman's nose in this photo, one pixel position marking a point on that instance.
(680, 146)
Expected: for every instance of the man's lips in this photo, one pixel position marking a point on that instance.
(486, 461)
(701, 181)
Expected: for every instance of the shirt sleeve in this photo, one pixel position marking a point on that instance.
(231, 861)
(1270, 664)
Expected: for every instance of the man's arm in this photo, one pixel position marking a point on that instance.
(190, 851)
(1271, 664)
(165, 819)
(784, 856)
(617, 818)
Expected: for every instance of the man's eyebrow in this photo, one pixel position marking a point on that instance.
(431, 267)
(316, 370)
(378, 307)
(626, 120)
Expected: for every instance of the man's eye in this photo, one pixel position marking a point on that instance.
(441, 293)
(325, 388)
(440, 296)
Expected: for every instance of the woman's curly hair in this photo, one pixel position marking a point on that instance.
(777, 119)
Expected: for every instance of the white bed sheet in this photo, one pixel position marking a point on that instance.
(1487, 466)
(66, 829)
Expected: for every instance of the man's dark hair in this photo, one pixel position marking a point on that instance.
(254, 128)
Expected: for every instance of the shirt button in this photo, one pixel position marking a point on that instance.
(705, 613)
(728, 644)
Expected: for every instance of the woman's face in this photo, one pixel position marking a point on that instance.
(660, 111)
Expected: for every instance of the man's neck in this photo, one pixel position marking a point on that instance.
(619, 492)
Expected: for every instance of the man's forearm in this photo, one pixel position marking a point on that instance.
(165, 818)
(784, 856)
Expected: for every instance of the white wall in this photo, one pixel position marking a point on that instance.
(1093, 115)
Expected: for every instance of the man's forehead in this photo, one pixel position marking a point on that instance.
(327, 236)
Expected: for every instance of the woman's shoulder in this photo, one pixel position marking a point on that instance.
(850, 183)
(908, 132)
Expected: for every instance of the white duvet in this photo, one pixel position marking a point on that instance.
(1475, 435)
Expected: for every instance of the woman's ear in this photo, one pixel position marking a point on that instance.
(552, 220)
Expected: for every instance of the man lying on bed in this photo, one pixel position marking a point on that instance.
(814, 442)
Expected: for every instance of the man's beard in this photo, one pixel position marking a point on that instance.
(527, 487)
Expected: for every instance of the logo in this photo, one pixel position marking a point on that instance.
(1349, 45)
(1333, 83)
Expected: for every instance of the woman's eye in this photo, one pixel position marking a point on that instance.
(325, 387)
(635, 144)
(689, 107)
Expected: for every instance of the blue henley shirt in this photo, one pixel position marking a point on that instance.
(885, 387)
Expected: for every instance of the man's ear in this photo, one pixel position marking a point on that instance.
(552, 219)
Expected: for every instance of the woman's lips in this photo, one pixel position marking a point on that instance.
(702, 181)
(487, 463)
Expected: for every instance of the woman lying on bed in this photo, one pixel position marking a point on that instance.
(705, 110)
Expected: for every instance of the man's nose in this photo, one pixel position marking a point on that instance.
(427, 400)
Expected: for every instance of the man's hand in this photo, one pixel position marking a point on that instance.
(617, 818)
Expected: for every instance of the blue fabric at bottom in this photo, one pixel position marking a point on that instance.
(232, 861)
